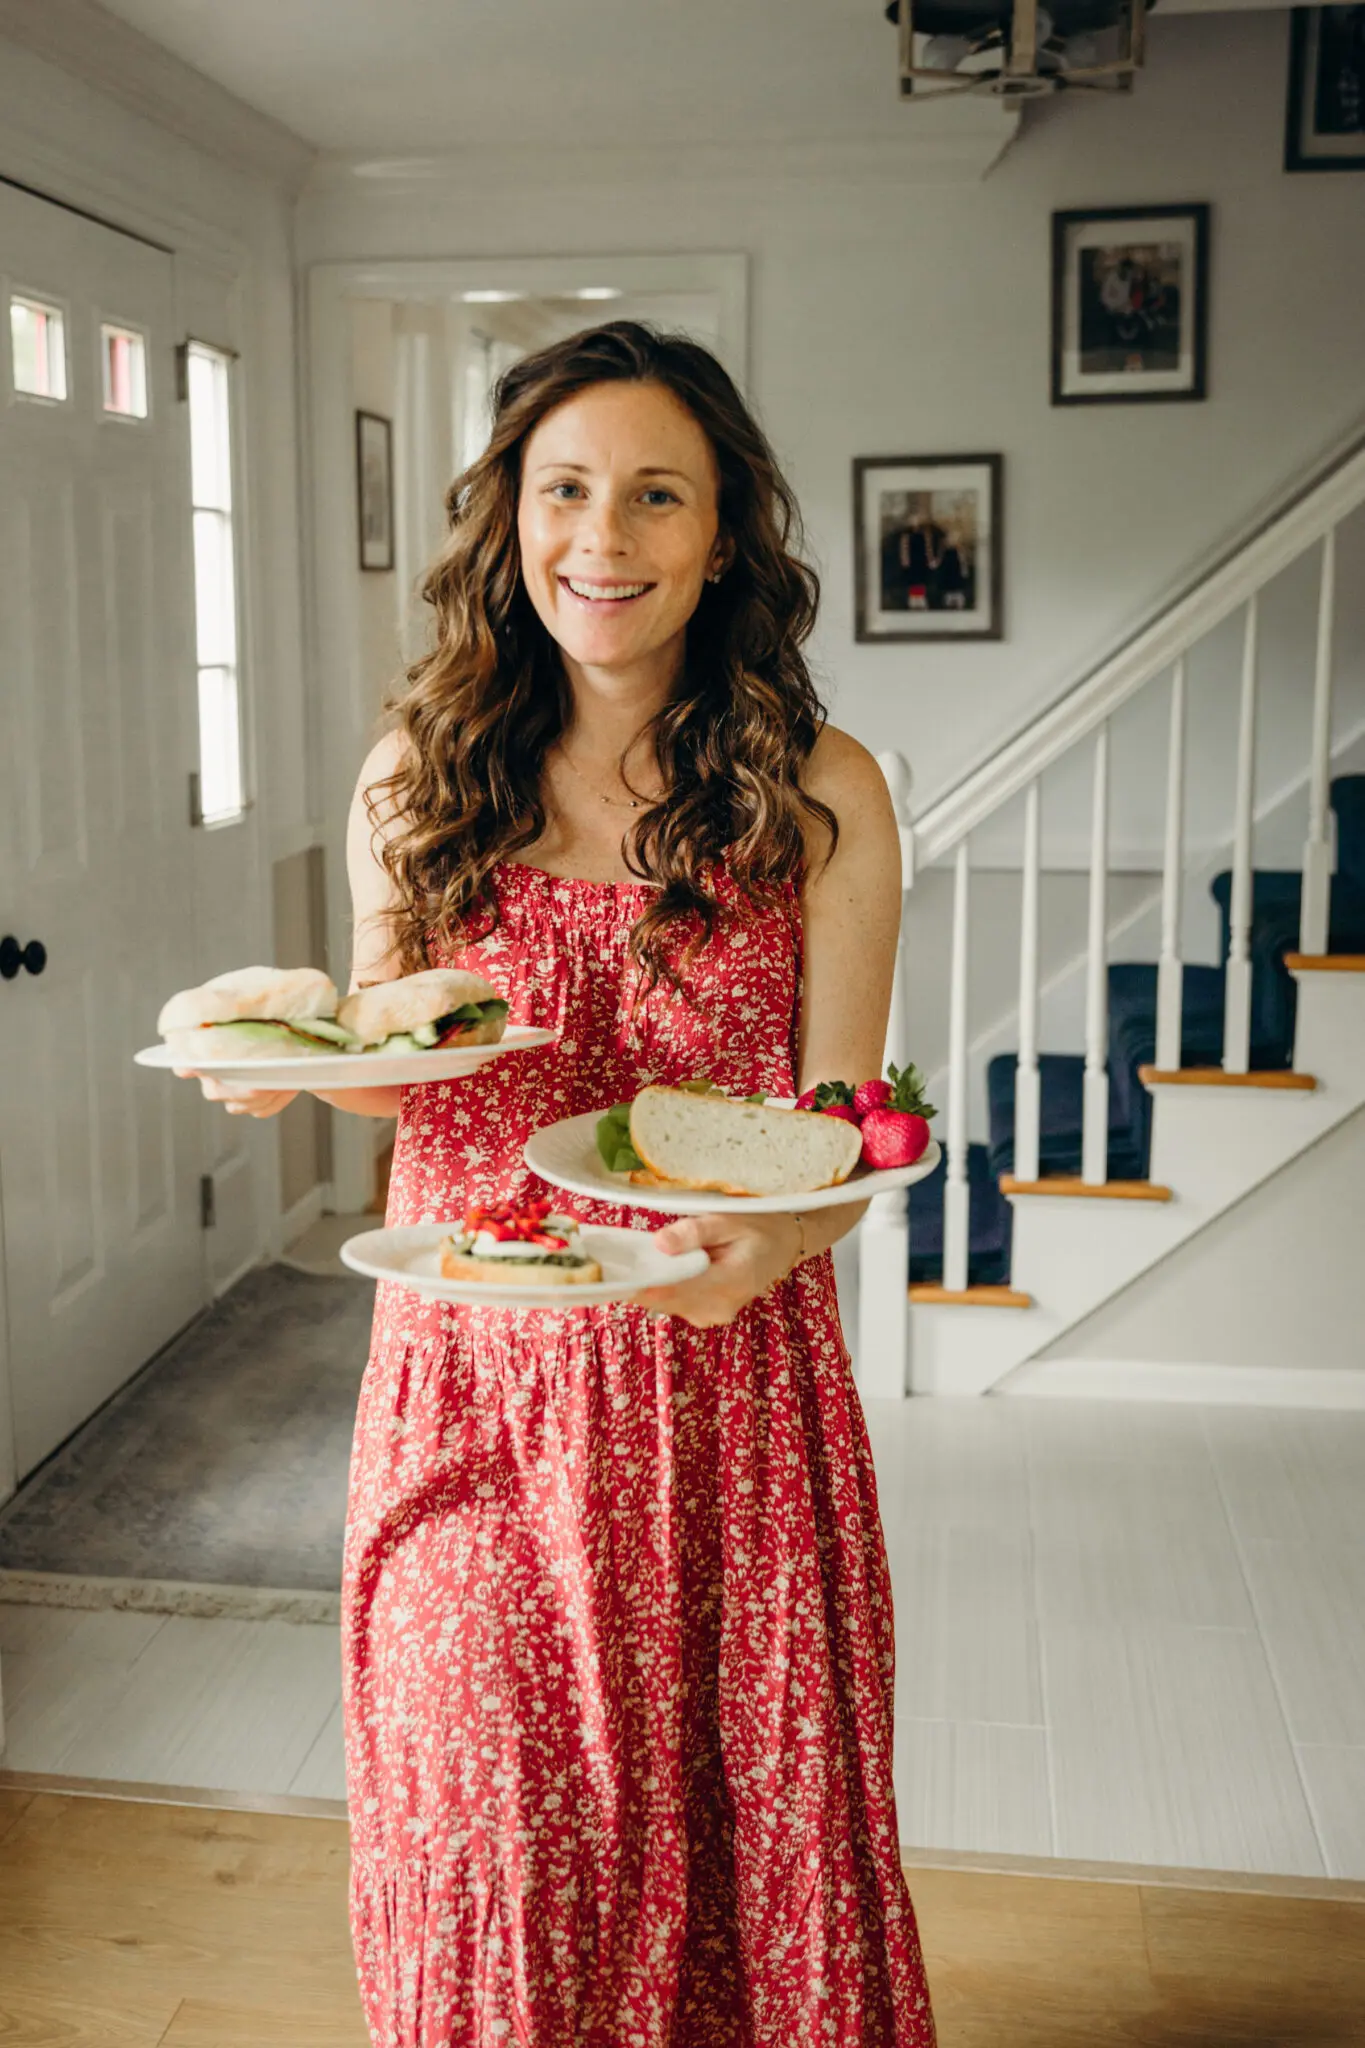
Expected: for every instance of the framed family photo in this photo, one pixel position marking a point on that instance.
(374, 489)
(1325, 122)
(1130, 305)
(927, 547)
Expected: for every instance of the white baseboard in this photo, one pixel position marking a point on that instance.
(1242, 1386)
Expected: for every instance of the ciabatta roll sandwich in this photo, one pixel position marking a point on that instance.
(421, 1012)
(255, 1013)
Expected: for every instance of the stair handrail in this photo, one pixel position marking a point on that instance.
(1309, 516)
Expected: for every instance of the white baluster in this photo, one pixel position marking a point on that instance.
(956, 1216)
(1237, 1004)
(1027, 1092)
(1095, 1111)
(1170, 970)
(883, 1348)
(1317, 853)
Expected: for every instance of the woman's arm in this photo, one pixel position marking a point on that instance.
(850, 911)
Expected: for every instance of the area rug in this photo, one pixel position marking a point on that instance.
(215, 1481)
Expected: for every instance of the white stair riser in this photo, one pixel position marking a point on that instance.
(1329, 1034)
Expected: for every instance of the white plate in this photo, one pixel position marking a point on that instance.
(628, 1258)
(566, 1155)
(332, 1071)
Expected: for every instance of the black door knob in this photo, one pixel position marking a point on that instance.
(13, 956)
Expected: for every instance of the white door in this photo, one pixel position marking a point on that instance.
(101, 1240)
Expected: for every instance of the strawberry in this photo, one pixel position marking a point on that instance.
(897, 1132)
(871, 1095)
(843, 1110)
(827, 1095)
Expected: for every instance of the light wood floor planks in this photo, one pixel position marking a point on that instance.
(125, 1925)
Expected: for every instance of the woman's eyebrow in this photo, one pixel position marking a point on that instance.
(581, 469)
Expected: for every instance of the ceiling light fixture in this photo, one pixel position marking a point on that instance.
(490, 298)
(597, 291)
(1018, 49)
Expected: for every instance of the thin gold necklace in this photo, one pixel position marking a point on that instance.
(616, 803)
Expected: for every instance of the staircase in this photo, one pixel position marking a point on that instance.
(1197, 1079)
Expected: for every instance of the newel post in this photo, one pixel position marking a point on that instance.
(883, 1357)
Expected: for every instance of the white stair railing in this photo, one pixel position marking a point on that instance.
(1237, 993)
(1310, 520)
(1317, 853)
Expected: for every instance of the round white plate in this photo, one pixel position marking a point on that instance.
(566, 1155)
(628, 1258)
(333, 1071)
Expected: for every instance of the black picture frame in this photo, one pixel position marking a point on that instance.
(1071, 383)
(962, 596)
(374, 490)
(1305, 147)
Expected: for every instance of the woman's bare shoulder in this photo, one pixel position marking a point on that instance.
(840, 770)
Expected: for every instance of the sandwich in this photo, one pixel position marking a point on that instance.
(522, 1243)
(423, 1012)
(697, 1137)
(255, 1013)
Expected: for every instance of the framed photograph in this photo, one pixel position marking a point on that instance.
(1325, 124)
(1130, 305)
(927, 546)
(374, 489)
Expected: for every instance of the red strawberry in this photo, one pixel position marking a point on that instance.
(871, 1095)
(806, 1100)
(897, 1132)
(892, 1138)
(843, 1110)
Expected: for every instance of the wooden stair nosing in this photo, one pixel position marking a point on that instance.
(1325, 963)
(1215, 1077)
(969, 1297)
(1072, 1184)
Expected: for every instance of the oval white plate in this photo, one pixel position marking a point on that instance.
(566, 1155)
(628, 1258)
(332, 1071)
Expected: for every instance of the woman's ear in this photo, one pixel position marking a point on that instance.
(722, 555)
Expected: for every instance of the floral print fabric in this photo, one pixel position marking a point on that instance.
(617, 1625)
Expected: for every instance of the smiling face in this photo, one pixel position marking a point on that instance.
(619, 525)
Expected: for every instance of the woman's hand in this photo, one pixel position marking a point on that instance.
(749, 1254)
(237, 1098)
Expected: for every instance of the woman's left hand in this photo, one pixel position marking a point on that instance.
(748, 1255)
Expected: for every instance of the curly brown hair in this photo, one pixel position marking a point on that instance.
(483, 707)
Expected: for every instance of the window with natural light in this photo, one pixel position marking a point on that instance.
(37, 348)
(215, 584)
(124, 354)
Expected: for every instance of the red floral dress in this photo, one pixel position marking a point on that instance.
(617, 1623)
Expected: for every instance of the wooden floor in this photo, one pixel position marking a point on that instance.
(129, 1925)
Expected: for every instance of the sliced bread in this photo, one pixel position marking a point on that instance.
(739, 1148)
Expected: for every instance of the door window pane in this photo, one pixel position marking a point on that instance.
(124, 354)
(220, 754)
(38, 346)
(208, 386)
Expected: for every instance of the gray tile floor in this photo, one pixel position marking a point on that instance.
(1125, 1632)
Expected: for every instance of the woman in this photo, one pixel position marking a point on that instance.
(617, 1621)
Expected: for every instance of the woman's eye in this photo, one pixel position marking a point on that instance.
(564, 485)
(661, 496)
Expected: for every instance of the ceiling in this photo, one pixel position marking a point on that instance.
(420, 77)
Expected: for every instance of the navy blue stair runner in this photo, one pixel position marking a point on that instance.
(1276, 901)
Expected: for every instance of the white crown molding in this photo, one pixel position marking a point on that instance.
(108, 55)
(930, 151)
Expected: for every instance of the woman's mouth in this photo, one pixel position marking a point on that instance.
(603, 596)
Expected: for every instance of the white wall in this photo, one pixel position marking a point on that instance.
(893, 315)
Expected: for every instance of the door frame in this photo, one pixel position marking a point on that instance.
(338, 689)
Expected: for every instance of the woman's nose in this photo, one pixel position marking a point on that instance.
(607, 528)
